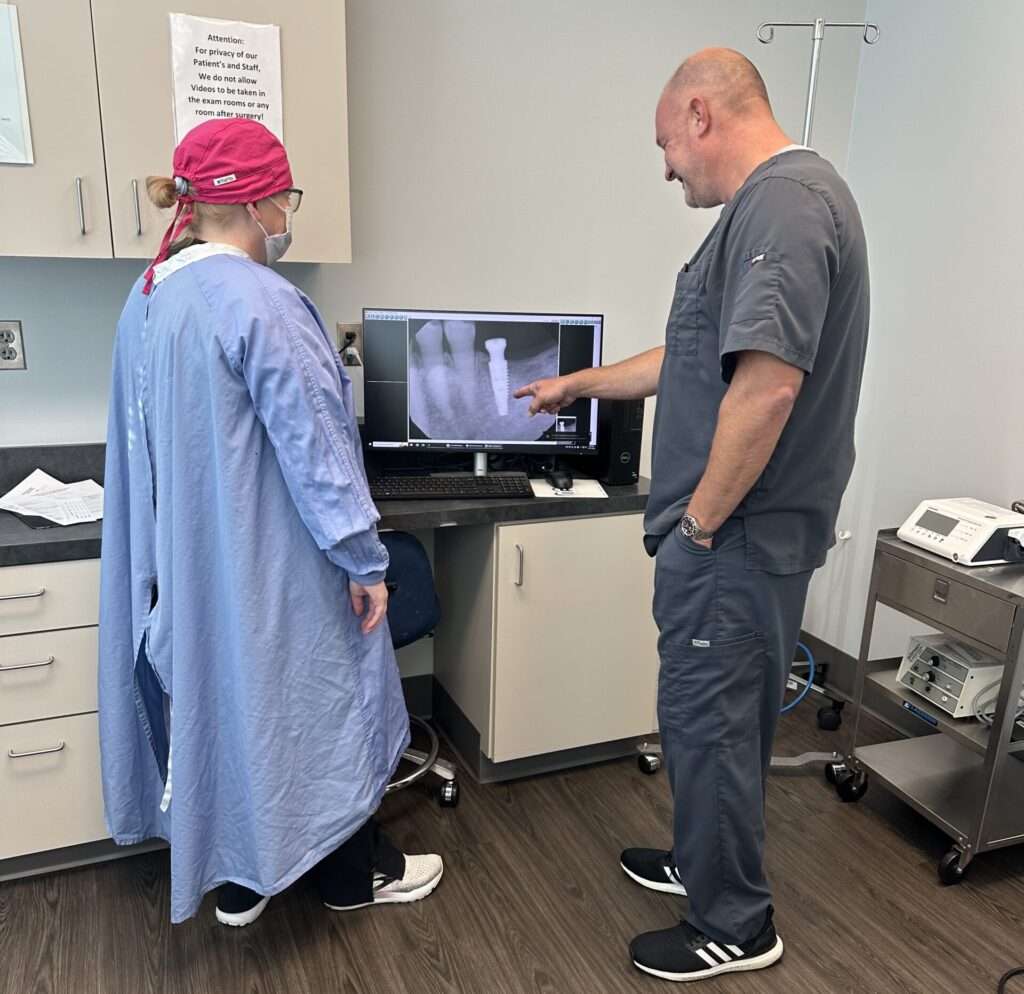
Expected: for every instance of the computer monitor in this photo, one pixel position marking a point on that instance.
(443, 380)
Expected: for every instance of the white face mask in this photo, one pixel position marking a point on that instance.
(277, 245)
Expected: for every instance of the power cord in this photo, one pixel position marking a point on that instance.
(983, 707)
(1016, 972)
(807, 686)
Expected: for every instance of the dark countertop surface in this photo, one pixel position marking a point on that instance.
(21, 545)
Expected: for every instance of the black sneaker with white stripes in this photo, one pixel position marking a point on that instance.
(654, 869)
(684, 953)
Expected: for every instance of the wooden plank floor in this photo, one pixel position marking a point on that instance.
(533, 900)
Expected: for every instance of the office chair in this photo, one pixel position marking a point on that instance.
(413, 613)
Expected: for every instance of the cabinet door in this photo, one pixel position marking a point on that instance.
(51, 785)
(133, 59)
(58, 205)
(575, 656)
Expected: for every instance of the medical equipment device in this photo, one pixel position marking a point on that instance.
(968, 531)
(948, 673)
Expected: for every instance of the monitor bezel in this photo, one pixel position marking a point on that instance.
(526, 448)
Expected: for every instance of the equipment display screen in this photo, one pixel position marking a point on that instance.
(941, 524)
(445, 380)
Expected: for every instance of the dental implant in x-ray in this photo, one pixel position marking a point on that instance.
(432, 350)
(461, 337)
(499, 373)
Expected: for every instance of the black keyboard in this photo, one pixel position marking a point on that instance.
(450, 486)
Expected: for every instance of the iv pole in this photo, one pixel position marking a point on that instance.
(871, 35)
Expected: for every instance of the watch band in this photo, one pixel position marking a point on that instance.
(691, 528)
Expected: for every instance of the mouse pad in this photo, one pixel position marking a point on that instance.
(580, 488)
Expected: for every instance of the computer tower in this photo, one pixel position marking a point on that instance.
(620, 430)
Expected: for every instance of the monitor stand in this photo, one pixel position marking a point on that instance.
(479, 463)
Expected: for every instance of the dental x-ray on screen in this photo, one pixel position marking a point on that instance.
(445, 379)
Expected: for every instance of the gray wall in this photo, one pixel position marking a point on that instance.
(936, 159)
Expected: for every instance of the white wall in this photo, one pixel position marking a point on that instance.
(936, 160)
(502, 157)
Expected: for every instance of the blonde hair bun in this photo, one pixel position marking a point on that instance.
(162, 191)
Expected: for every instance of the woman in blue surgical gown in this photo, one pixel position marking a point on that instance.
(251, 712)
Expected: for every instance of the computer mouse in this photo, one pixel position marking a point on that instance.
(560, 479)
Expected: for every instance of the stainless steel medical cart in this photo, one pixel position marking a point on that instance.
(962, 776)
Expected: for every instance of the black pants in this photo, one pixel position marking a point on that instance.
(344, 878)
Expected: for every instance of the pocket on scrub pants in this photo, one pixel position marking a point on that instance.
(709, 691)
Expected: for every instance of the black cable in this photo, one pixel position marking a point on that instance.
(1017, 971)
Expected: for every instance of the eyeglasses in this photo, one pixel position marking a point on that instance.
(294, 198)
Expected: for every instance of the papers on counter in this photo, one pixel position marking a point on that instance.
(41, 496)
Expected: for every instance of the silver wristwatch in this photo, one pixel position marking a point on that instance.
(691, 529)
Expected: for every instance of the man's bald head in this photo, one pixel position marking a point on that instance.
(714, 124)
(723, 76)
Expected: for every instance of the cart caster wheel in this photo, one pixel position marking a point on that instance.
(450, 794)
(834, 772)
(950, 870)
(852, 786)
(829, 719)
(648, 762)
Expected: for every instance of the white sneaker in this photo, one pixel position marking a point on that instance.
(422, 875)
(242, 916)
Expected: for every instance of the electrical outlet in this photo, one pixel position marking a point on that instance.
(345, 331)
(12, 346)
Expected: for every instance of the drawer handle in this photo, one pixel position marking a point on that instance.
(27, 666)
(35, 752)
(22, 597)
(520, 563)
(941, 591)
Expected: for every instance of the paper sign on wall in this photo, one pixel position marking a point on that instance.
(225, 69)
(15, 136)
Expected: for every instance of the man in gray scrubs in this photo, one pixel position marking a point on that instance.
(757, 387)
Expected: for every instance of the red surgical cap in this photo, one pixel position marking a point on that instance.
(230, 160)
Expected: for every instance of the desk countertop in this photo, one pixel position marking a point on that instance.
(21, 545)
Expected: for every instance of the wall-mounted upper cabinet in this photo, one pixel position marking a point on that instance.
(131, 62)
(58, 206)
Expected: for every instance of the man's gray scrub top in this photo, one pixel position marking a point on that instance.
(785, 271)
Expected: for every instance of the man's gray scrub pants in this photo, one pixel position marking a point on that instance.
(727, 642)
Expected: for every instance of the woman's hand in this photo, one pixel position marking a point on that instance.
(371, 601)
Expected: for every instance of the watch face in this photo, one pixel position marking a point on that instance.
(688, 526)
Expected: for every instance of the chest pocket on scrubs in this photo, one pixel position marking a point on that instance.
(682, 335)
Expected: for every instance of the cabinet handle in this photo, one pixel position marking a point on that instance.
(81, 204)
(22, 597)
(36, 752)
(138, 211)
(520, 562)
(27, 666)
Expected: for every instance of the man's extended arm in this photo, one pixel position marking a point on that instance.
(626, 380)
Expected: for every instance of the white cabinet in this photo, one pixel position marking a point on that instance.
(49, 734)
(50, 782)
(102, 121)
(58, 206)
(547, 641)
